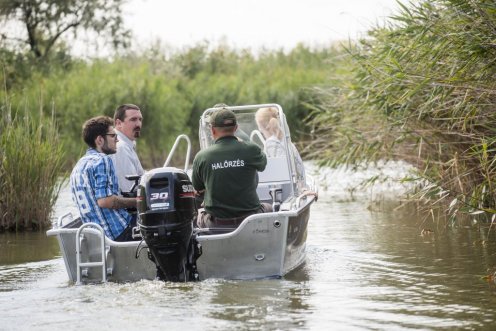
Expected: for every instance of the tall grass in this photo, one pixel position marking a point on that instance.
(173, 90)
(31, 158)
(422, 89)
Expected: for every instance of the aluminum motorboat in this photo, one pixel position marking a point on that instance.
(169, 246)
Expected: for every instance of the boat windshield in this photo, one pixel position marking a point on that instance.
(279, 156)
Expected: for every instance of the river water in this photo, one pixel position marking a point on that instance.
(369, 266)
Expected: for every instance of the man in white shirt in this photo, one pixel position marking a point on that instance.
(128, 121)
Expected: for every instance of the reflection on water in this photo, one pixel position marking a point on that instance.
(368, 267)
(24, 247)
(386, 271)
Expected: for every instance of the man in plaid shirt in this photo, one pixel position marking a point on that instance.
(94, 185)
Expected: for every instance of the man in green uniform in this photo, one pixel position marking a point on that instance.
(226, 173)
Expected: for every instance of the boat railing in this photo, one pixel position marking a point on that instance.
(60, 219)
(313, 184)
(258, 134)
(79, 264)
(173, 150)
(311, 190)
(304, 195)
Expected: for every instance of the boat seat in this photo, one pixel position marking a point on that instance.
(275, 171)
(74, 224)
(275, 176)
(263, 191)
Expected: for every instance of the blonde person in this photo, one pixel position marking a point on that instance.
(268, 123)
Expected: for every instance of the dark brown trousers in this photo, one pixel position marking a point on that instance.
(206, 220)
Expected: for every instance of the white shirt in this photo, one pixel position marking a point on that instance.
(274, 147)
(126, 162)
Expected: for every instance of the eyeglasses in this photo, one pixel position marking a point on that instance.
(113, 135)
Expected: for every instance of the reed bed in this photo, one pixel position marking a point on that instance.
(421, 88)
(31, 160)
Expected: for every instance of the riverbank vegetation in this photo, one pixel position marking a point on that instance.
(421, 89)
(31, 160)
(172, 89)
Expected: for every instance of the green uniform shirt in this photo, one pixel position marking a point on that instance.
(227, 171)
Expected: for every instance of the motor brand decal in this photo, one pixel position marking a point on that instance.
(188, 188)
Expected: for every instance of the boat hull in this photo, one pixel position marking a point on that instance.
(124, 261)
(263, 246)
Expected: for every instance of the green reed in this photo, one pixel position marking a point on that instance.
(172, 90)
(31, 158)
(421, 88)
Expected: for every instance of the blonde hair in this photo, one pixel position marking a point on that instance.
(268, 121)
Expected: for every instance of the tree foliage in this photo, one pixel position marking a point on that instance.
(45, 22)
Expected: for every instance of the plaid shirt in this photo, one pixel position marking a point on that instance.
(94, 178)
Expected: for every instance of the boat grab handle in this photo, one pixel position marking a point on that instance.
(173, 149)
(303, 195)
(60, 218)
(258, 134)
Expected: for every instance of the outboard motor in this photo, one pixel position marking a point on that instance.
(166, 207)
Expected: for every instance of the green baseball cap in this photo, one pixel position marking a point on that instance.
(223, 118)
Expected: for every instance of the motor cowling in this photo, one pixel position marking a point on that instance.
(167, 209)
